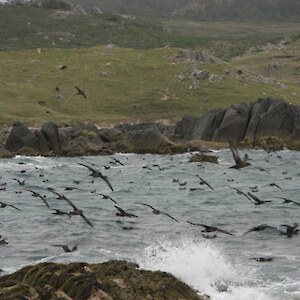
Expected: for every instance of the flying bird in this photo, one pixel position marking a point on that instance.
(259, 228)
(157, 212)
(76, 211)
(19, 181)
(108, 197)
(96, 173)
(66, 247)
(210, 228)
(239, 163)
(289, 201)
(123, 213)
(202, 181)
(80, 92)
(290, 230)
(3, 205)
(258, 201)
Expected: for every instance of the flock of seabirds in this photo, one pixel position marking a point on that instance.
(208, 231)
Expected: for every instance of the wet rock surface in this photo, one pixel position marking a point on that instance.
(115, 279)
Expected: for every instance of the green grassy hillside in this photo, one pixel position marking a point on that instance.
(136, 84)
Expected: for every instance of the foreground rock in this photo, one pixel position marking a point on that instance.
(118, 280)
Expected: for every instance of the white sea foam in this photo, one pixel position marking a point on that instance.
(206, 268)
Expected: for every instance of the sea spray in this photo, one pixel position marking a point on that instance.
(206, 268)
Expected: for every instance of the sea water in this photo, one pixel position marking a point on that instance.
(222, 267)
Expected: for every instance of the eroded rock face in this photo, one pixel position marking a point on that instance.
(80, 281)
(21, 136)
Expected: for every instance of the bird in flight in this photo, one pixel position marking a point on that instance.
(123, 213)
(288, 201)
(210, 228)
(157, 212)
(290, 230)
(239, 163)
(80, 91)
(96, 173)
(258, 228)
(66, 247)
(19, 181)
(108, 197)
(257, 201)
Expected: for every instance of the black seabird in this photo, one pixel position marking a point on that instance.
(76, 211)
(66, 247)
(290, 230)
(123, 213)
(202, 181)
(210, 228)
(259, 228)
(96, 173)
(274, 184)
(258, 201)
(19, 181)
(289, 201)
(239, 163)
(3, 205)
(3, 241)
(80, 92)
(157, 212)
(262, 259)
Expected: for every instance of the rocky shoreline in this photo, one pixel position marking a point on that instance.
(116, 279)
(271, 124)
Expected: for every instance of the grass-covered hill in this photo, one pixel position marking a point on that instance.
(208, 10)
(135, 84)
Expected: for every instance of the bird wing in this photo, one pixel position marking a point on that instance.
(254, 198)
(77, 88)
(196, 224)
(147, 205)
(103, 177)
(70, 202)
(43, 199)
(86, 219)
(90, 168)
(235, 153)
(170, 217)
(224, 231)
(121, 210)
(205, 182)
(13, 206)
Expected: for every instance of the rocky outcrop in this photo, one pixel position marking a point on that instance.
(263, 118)
(253, 125)
(200, 157)
(81, 281)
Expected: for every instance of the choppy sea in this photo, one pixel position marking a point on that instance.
(222, 266)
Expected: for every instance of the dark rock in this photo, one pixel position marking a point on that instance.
(208, 124)
(234, 124)
(80, 281)
(20, 136)
(6, 154)
(50, 131)
(273, 117)
(200, 157)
